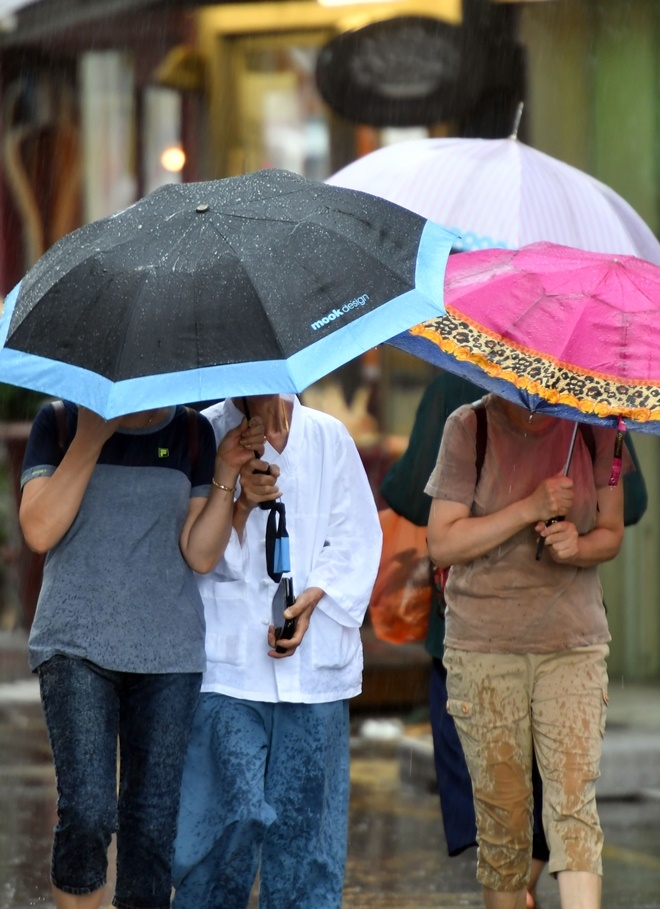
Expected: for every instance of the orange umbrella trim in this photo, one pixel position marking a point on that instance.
(602, 394)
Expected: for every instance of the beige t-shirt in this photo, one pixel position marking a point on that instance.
(506, 601)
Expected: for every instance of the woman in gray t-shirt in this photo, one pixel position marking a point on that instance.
(125, 509)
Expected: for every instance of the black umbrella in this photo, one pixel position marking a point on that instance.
(250, 285)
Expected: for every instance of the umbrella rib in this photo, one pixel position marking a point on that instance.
(245, 268)
(181, 239)
(297, 224)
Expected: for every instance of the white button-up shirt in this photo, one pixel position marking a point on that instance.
(335, 544)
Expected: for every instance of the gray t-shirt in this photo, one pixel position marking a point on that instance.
(116, 589)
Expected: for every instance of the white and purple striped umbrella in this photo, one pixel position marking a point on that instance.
(502, 193)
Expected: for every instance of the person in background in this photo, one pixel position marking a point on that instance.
(403, 490)
(125, 510)
(526, 636)
(266, 778)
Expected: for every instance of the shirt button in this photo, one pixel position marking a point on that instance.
(464, 708)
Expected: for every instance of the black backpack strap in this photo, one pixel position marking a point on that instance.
(193, 437)
(482, 436)
(587, 432)
(60, 419)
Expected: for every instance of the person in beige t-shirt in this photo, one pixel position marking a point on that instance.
(527, 638)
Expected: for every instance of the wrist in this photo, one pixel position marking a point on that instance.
(528, 514)
(224, 476)
(242, 504)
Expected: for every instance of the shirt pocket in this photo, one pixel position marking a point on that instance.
(333, 646)
(226, 632)
(460, 709)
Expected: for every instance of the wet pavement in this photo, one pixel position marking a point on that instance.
(397, 857)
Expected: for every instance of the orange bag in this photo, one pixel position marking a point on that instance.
(400, 602)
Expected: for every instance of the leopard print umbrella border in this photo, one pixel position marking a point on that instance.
(549, 379)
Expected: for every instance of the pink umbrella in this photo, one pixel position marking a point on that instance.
(500, 192)
(555, 329)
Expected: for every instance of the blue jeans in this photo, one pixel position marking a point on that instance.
(263, 782)
(87, 709)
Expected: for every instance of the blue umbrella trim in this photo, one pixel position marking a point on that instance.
(109, 399)
(7, 312)
(432, 254)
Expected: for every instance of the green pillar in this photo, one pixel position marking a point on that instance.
(626, 104)
(594, 102)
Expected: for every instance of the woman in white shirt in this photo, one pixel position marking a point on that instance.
(266, 776)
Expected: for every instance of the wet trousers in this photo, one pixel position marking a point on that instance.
(453, 777)
(87, 709)
(506, 706)
(265, 786)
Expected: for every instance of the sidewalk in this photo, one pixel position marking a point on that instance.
(13, 656)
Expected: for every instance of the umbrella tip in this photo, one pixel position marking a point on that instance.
(517, 119)
(202, 207)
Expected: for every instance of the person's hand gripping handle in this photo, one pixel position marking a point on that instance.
(556, 519)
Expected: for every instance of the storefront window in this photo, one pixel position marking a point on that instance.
(108, 124)
(162, 154)
(283, 122)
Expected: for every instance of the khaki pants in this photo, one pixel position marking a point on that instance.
(506, 704)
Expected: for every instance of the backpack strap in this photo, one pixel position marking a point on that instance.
(60, 419)
(193, 436)
(587, 432)
(482, 435)
(586, 429)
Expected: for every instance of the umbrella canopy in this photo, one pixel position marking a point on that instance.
(500, 192)
(249, 285)
(554, 329)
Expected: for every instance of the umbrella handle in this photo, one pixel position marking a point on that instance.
(265, 506)
(571, 449)
(541, 542)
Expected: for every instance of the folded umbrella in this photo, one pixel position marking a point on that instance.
(250, 285)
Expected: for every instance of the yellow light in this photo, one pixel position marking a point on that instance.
(350, 2)
(173, 159)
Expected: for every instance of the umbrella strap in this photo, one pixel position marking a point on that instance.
(617, 460)
(277, 538)
(277, 542)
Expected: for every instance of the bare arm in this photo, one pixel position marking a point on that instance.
(601, 544)
(207, 528)
(49, 505)
(455, 536)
